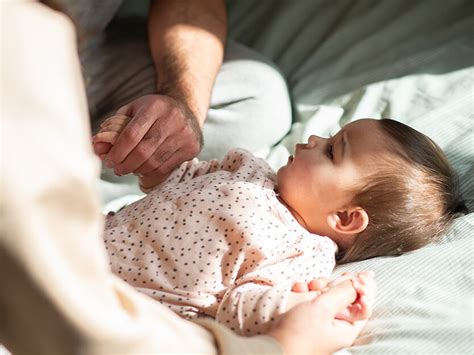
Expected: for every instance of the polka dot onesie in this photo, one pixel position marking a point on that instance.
(214, 240)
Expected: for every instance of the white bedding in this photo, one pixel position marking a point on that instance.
(409, 60)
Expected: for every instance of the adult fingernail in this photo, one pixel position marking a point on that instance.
(108, 163)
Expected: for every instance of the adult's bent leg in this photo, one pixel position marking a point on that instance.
(250, 106)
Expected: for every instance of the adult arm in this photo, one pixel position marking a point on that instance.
(187, 45)
(187, 40)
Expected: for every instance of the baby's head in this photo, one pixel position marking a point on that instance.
(376, 188)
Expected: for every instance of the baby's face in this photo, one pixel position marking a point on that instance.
(317, 179)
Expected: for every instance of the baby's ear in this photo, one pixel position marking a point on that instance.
(352, 220)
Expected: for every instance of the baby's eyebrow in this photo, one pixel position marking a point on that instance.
(344, 142)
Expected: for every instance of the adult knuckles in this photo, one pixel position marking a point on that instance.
(153, 136)
(130, 134)
(143, 151)
(174, 111)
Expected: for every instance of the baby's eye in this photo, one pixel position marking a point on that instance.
(330, 154)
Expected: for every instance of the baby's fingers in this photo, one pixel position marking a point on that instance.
(355, 312)
(118, 120)
(343, 277)
(366, 307)
(106, 137)
(367, 280)
(114, 127)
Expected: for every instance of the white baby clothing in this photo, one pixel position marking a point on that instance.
(214, 239)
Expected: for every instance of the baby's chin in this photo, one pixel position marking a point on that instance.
(279, 174)
(284, 166)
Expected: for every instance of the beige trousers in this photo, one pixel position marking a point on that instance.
(57, 293)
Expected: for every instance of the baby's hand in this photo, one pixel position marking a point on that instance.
(362, 307)
(363, 283)
(110, 130)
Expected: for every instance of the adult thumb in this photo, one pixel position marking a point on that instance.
(338, 297)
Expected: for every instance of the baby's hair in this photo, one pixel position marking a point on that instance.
(411, 199)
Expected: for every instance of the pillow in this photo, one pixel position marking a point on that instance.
(425, 298)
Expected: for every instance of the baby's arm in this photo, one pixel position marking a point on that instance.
(253, 307)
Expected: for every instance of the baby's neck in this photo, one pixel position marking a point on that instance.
(295, 214)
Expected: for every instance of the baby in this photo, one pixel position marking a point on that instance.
(232, 239)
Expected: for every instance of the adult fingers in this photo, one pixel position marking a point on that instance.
(341, 278)
(336, 298)
(101, 148)
(169, 165)
(154, 164)
(131, 135)
(318, 284)
(300, 287)
(346, 331)
(149, 182)
(174, 160)
(142, 153)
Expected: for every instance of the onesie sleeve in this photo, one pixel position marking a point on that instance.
(252, 308)
(258, 298)
(235, 161)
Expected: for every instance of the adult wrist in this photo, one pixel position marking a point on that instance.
(197, 106)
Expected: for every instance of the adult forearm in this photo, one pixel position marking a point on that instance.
(187, 41)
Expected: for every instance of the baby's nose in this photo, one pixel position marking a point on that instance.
(312, 140)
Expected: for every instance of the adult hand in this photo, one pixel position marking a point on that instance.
(161, 134)
(312, 328)
(363, 283)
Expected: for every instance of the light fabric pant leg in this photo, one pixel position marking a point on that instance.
(250, 106)
(57, 293)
